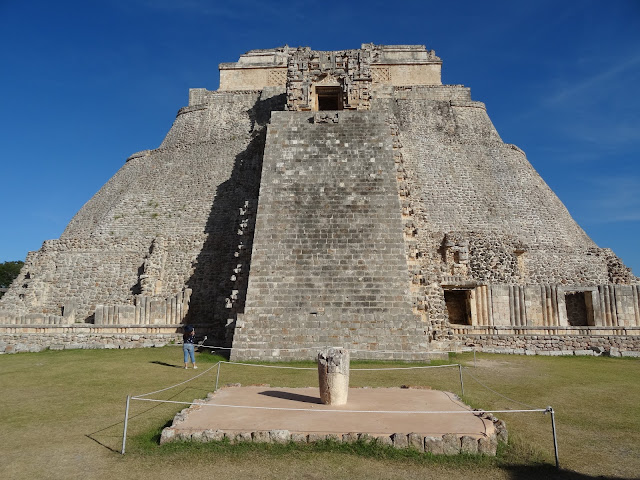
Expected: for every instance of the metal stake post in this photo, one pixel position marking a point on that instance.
(555, 439)
(217, 376)
(126, 421)
(474, 357)
(461, 382)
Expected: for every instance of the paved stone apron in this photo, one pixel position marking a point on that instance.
(448, 434)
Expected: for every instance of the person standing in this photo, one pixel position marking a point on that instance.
(188, 339)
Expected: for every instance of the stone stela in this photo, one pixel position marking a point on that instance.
(333, 376)
(327, 198)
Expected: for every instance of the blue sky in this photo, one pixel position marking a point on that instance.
(87, 83)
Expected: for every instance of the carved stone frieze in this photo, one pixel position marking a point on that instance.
(349, 70)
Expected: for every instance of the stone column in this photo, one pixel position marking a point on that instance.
(333, 376)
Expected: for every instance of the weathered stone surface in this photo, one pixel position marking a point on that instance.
(334, 437)
(468, 444)
(299, 437)
(630, 354)
(168, 435)
(400, 440)
(333, 376)
(279, 436)
(434, 445)
(416, 441)
(501, 431)
(243, 437)
(450, 444)
(350, 437)
(213, 435)
(488, 445)
(261, 436)
(385, 440)
(365, 437)
(317, 437)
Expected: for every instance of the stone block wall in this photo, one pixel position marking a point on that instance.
(329, 263)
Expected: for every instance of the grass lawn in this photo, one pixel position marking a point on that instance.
(62, 417)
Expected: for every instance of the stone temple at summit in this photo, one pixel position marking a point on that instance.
(344, 198)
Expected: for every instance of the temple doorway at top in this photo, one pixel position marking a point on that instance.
(329, 98)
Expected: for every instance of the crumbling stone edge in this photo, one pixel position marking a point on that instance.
(447, 444)
(33, 343)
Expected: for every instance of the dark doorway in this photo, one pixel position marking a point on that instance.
(329, 98)
(457, 306)
(576, 309)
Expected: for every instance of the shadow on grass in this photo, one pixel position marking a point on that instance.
(223, 353)
(525, 472)
(165, 364)
(102, 444)
(92, 435)
(148, 443)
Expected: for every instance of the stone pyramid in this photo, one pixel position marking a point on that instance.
(342, 198)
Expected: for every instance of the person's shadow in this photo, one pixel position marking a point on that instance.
(166, 364)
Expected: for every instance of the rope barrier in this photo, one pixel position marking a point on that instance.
(412, 412)
(497, 393)
(351, 369)
(215, 347)
(284, 367)
(271, 366)
(177, 384)
(403, 368)
(475, 412)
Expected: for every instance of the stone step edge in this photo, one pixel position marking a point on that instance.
(447, 444)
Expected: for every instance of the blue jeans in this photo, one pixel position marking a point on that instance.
(187, 348)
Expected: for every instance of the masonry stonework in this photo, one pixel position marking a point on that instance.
(343, 199)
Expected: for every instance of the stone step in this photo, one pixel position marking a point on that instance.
(328, 235)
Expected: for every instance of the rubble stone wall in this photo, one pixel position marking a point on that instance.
(37, 342)
(556, 345)
(465, 181)
(170, 218)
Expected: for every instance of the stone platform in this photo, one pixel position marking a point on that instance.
(308, 420)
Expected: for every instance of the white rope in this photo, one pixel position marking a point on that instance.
(291, 368)
(403, 368)
(271, 366)
(351, 369)
(497, 393)
(214, 347)
(176, 385)
(475, 412)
